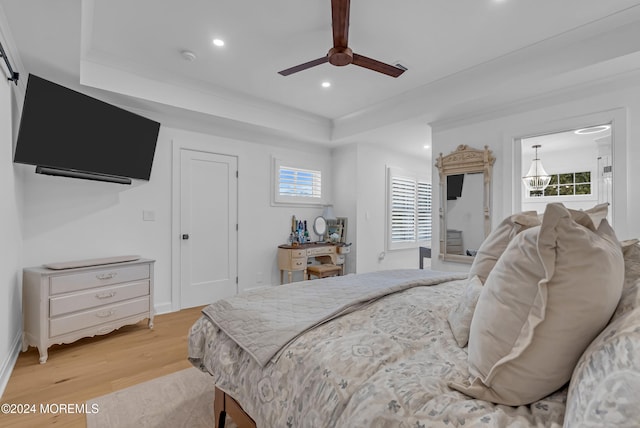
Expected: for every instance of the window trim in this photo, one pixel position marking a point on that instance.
(397, 173)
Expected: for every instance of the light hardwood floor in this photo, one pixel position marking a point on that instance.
(96, 366)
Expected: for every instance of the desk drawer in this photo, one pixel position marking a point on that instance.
(96, 297)
(321, 251)
(299, 263)
(103, 314)
(98, 278)
(297, 253)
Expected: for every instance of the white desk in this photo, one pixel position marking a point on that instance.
(293, 259)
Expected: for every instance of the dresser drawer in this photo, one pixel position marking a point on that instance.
(97, 297)
(103, 314)
(97, 278)
(299, 264)
(321, 251)
(297, 253)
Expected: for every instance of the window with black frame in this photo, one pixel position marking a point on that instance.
(566, 184)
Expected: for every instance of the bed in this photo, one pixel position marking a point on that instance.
(379, 350)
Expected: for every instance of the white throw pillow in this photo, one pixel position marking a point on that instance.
(495, 244)
(550, 294)
(460, 316)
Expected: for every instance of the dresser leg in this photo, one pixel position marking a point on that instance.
(290, 276)
(44, 354)
(150, 322)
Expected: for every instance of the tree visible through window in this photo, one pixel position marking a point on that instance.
(566, 184)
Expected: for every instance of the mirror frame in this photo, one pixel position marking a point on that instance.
(461, 161)
(320, 227)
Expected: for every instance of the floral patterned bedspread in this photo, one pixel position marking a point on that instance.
(386, 365)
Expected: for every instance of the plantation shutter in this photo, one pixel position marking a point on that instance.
(297, 182)
(403, 210)
(424, 211)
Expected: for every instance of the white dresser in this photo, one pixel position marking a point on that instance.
(64, 305)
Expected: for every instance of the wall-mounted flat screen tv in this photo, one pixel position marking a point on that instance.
(64, 130)
(454, 186)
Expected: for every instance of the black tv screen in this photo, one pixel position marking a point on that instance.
(64, 129)
(454, 186)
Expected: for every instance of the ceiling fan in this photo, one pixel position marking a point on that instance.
(341, 54)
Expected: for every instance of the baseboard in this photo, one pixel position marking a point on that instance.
(163, 308)
(10, 362)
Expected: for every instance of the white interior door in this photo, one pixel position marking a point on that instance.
(208, 227)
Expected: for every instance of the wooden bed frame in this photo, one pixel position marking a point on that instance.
(224, 404)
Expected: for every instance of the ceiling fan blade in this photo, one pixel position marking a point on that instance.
(375, 65)
(340, 22)
(304, 66)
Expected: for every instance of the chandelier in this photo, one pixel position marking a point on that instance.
(537, 178)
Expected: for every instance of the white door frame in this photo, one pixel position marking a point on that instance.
(512, 173)
(176, 239)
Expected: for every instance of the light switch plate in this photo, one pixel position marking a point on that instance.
(148, 215)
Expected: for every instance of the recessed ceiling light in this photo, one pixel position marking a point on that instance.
(218, 42)
(326, 84)
(426, 146)
(593, 130)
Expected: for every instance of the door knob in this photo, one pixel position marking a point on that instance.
(185, 236)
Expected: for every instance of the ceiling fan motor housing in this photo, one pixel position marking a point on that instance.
(340, 56)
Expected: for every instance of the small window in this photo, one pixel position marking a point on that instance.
(302, 183)
(298, 184)
(566, 184)
(409, 210)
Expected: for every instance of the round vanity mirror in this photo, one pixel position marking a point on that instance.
(320, 227)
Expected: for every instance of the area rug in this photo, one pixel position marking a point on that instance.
(179, 400)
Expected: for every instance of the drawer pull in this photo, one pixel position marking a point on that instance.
(106, 275)
(105, 295)
(106, 314)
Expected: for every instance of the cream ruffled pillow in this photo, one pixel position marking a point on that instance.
(550, 294)
(460, 316)
(486, 258)
(495, 244)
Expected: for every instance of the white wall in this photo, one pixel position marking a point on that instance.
(371, 197)
(70, 219)
(345, 195)
(262, 227)
(10, 238)
(618, 102)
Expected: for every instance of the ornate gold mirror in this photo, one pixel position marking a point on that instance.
(465, 202)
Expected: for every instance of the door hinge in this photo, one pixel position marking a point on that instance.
(236, 173)
(236, 279)
(236, 226)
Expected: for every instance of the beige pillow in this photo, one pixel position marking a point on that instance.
(630, 298)
(597, 213)
(495, 244)
(460, 316)
(552, 291)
